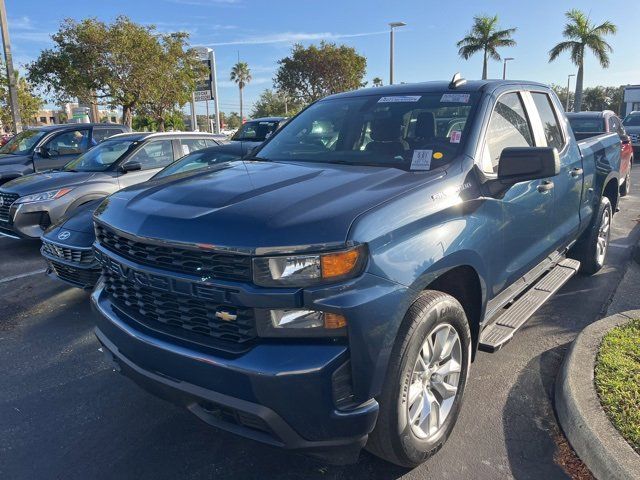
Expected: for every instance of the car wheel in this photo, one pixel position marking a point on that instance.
(425, 382)
(626, 186)
(592, 250)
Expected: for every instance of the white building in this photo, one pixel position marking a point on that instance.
(631, 99)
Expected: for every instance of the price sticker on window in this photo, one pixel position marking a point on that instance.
(421, 159)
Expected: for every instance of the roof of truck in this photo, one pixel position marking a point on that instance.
(73, 126)
(436, 86)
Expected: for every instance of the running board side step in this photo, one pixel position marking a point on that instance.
(496, 335)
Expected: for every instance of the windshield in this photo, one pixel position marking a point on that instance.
(632, 121)
(23, 143)
(198, 160)
(101, 157)
(413, 132)
(587, 125)
(255, 131)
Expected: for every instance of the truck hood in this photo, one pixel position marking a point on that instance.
(253, 205)
(45, 181)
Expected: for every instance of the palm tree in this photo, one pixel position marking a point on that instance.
(377, 82)
(486, 38)
(582, 34)
(241, 74)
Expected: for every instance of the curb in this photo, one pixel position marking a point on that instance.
(584, 422)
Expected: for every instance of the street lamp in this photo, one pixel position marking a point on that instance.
(504, 67)
(392, 25)
(566, 108)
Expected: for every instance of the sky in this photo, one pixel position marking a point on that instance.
(261, 32)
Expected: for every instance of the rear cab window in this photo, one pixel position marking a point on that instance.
(549, 118)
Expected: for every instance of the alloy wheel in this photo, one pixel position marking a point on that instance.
(603, 236)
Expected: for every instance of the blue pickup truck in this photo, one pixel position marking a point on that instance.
(329, 292)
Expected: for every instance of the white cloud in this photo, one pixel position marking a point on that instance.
(293, 37)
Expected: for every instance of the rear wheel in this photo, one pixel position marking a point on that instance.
(425, 382)
(591, 251)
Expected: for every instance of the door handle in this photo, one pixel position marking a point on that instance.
(545, 186)
(576, 171)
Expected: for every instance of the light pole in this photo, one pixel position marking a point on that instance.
(566, 108)
(504, 67)
(392, 25)
(11, 78)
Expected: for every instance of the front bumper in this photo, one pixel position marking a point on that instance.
(30, 220)
(279, 394)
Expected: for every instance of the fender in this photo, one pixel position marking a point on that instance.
(85, 199)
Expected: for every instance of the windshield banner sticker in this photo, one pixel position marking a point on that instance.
(400, 98)
(456, 97)
(421, 159)
(456, 135)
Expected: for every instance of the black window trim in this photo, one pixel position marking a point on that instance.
(478, 160)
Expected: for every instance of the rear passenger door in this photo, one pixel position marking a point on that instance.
(100, 134)
(550, 132)
(152, 157)
(525, 238)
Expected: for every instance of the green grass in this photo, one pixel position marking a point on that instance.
(618, 380)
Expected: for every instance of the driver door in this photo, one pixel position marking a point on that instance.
(61, 149)
(152, 157)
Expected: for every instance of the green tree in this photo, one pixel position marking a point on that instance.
(582, 35)
(561, 92)
(377, 82)
(232, 121)
(117, 63)
(486, 37)
(28, 102)
(240, 74)
(176, 70)
(274, 104)
(311, 73)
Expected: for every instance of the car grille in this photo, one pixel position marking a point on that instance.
(635, 137)
(82, 277)
(7, 200)
(75, 255)
(181, 315)
(225, 266)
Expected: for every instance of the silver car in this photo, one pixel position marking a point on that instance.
(30, 204)
(631, 124)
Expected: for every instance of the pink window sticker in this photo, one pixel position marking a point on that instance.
(456, 135)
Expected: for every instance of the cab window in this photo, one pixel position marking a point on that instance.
(190, 145)
(508, 127)
(68, 143)
(550, 125)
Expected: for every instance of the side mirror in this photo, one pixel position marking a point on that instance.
(131, 167)
(521, 164)
(625, 139)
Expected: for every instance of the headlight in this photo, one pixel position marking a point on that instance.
(307, 270)
(300, 323)
(44, 196)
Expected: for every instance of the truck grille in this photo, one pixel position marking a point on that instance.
(75, 255)
(181, 315)
(635, 137)
(81, 277)
(7, 200)
(225, 266)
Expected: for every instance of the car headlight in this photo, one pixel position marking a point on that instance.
(44, 196)
(308, 270)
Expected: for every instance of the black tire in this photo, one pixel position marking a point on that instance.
(393, 438)
(586, 250)
(626, 186)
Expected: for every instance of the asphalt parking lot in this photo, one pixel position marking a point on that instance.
(65, 414)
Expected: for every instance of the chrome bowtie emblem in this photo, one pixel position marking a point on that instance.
(226, 316)
(64, 235)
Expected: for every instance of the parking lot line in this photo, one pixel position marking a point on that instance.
(22, 275)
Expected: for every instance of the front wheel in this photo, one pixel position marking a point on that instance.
(423, 391)
(591, 251)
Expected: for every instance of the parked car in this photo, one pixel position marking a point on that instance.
(30, 204)
(256, 131)
(46, 148)
(67, 245)
(591, 124)
(631, 124)
(332, 292)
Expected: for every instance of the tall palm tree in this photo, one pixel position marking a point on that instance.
(581, 34)
(485, 37)
(241, 74)
(377, 82)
